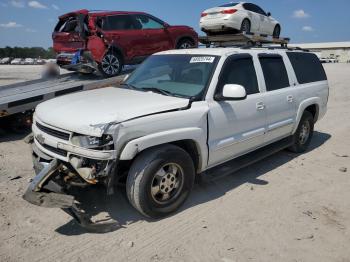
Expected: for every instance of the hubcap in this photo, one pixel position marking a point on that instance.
(185, 45)
(167, 183)
(110, 64)
(304, 132)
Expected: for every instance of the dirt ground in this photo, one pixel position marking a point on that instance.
(285, 208)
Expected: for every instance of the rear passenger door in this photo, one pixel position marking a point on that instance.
(236, 127)
(122, 31)
(279, 100)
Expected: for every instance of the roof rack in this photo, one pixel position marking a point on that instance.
(243, 40)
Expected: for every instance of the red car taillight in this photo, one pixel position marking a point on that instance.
(203, 14)
(229, 11)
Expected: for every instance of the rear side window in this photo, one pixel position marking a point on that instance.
(307, 67)
(275, 72)
(118, 22)
(240, 71)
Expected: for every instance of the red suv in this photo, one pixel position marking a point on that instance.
(107, 40)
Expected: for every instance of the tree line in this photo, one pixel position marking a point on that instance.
(23, 52)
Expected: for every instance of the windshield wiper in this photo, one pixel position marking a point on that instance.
(129, 86)
(161, 91)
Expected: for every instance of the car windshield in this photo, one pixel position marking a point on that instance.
(174, 75)
(229, 5)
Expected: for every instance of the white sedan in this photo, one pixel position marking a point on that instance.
(245, 17)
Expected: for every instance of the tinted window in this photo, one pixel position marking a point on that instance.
(275, 72)
(254, 8)
(118, 22)
(145, 22)
(229, 5)
(307, 67)
(240, 71)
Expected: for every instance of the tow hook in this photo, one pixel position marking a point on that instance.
(44, 192)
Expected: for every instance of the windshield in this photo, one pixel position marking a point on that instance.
(176, 75)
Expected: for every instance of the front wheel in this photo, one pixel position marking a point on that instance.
(185, 44)
(111, 65)
(160, 180)
(304, 133)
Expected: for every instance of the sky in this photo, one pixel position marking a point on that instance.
(30, 23)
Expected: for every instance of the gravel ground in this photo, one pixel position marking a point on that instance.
(10, 74)
(286, 208)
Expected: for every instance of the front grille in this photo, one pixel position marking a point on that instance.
(53, 132)
(55, 150)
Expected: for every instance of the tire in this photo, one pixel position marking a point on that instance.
(154, 172)
(276, 31)
(304, 133)
(111, 65)
(185, 44)
(245, 26)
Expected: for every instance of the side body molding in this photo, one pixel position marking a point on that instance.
(196, 134)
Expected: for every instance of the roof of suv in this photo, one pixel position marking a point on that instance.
(225, 51)
(99, 13)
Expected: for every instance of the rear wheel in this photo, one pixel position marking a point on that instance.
(111, 65)
(185, 44)
(277, 31)
(245, 27)
(160, 180)
(304, 133)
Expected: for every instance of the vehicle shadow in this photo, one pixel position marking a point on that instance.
(119, 209)
(8, 135)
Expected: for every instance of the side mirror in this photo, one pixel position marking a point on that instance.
(232, 92)
(166, 25)
(268, 14)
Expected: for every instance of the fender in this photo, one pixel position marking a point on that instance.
(303, 105)
(196, 134)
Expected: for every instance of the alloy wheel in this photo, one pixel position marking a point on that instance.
(110, 64)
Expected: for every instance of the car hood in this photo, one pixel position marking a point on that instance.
(90, 112)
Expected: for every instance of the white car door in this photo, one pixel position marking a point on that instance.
(279, 99)
(236, 127)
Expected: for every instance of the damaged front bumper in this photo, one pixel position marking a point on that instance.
(45, 192)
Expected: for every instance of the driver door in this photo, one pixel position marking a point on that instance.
(236, 127)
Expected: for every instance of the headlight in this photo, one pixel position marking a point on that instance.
(91, 141)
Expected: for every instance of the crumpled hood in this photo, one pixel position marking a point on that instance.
(88, 112)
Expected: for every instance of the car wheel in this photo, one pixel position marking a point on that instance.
(111, 65)
(160, 180)
(304, 133)
(276, 31)
(185, 44)
(245, 27)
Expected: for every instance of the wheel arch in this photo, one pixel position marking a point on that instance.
(312, 105)
(185, 37)
(115, 48)
(192, 140)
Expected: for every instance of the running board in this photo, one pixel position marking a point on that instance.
(238, 163)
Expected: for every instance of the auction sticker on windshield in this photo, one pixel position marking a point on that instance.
(202, 59)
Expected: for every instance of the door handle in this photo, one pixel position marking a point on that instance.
(290, 99)
(260, 106)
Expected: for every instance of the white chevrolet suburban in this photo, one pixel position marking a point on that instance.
(179, 114)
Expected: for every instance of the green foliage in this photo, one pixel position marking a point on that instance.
(24, 52)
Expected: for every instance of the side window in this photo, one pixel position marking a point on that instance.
(258, 10)
(240, 71)
(307, 67)
(118, 22)
(146, 22)
(275, 72)
(248, 7)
